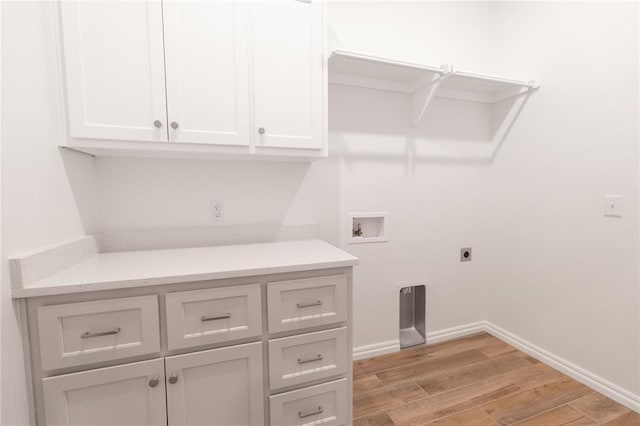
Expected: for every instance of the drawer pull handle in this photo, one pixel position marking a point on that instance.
(205, 318)
(318, 410)
(310, 304)
(87, 335)
(308, 360)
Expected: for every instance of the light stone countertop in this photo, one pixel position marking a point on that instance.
(105, 271)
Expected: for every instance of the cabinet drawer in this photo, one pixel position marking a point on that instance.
(324, 404)
(299, 359)
(213, 315)
(82, 333)
(304, 303)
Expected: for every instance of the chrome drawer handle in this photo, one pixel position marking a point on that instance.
(302, 414)
(312, 359)
(219, 317)
(87, 335)
(310, 304)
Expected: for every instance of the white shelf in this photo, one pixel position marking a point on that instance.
(423, 82)
(361, 70)
(481, 88)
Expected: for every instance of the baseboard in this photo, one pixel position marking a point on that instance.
(434, 337)
(585, 377)
(455, 332)
(376, 349)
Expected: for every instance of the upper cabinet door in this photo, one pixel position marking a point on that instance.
(207, 71)
(219, 386)
(288, 73)
(114, 64)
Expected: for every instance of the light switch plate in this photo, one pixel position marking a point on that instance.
(613, 205)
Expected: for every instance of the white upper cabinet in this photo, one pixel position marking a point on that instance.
(114, 63)
(207, 65)
(288, 73)
(209, 77)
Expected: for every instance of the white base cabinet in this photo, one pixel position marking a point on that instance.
(221, 386)
(202, 353)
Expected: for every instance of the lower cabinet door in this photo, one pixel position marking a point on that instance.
(131, 394)
(216, 387)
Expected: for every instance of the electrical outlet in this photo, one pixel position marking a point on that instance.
(217, 211)
(613, 205)
(465, 254)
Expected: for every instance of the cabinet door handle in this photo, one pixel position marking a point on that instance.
(174, 125)
(261, 130)
(313, 412)
(154, 382)
(219, 317)
(173, 379)
(87, 335)
(312, 359)
(310, 304)
(157, 124)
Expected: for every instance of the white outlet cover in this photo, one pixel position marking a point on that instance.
(613, 205)
(217, 211)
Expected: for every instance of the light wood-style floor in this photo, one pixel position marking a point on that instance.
(475, 381)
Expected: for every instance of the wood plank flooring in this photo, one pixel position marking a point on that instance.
(476, 381)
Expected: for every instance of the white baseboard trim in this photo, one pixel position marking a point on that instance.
(585, 377)
(455, 332)
(434, 337)
(382, 348)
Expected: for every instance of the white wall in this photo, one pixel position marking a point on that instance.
(575, 292)
(431, 179)
(46, 195)
(155, 193)
(435, 207)
(563, 276)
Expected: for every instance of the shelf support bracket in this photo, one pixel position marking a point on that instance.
(421, 97)
(512, 115)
